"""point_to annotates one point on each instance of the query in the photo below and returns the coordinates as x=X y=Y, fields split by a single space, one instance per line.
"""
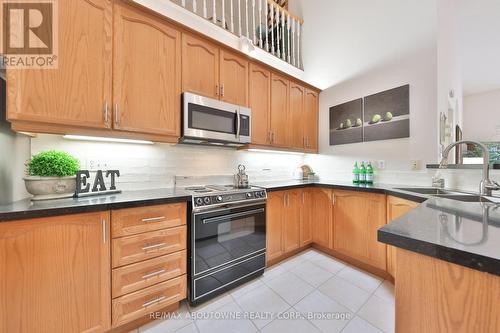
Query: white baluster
x=283 y=53
x=246 y=18
x=298 y=45
x=266 y=23
x=260 y=23
x=205 y=15
x=183 y=2
x=239 y=17
x=253 y=23
x=289 y=39
x=214 y=12
x=272 y=29
x=223 y=8
x=232 y=18
x=194 y=6
x=293 y=41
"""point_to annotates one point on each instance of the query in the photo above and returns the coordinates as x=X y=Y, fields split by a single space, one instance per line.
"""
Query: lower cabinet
x=396 y=207
x=286 y=230
x=56 y=274
x=322 y=219
x=306 y=222
x=357 y=217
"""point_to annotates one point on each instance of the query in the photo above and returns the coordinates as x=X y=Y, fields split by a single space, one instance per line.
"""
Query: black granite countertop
x=25 y=209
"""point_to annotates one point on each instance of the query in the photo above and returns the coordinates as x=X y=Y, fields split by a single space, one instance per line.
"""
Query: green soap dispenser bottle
x=369 y=173
x=355 y=174
x=362 y=173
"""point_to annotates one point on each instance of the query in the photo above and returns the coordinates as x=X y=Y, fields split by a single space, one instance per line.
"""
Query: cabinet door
x=233 y=78
x=146 y=73
x=311 y=110
x=274 y=224
x=279 y=111
x=322 y=217
x=260 y=103
x=55 y=274
x=357 y=218
x=296 y=116
x=77 y=91
x=306 y=237
x=291 y=223
x=396 y=207
x=200 y=66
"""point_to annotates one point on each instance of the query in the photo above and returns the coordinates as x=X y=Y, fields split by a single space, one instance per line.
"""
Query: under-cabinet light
x=104 y=139
x=275 y=151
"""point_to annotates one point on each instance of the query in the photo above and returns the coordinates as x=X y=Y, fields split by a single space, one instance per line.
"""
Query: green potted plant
x=51 y=175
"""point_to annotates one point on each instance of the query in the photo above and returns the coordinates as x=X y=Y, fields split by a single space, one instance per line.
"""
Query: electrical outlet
x=94 y=165
x=381 y=164
x=414 y=165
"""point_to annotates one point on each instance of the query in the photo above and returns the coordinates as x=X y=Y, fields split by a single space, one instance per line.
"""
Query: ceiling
x=479 y=44
x=343 y=39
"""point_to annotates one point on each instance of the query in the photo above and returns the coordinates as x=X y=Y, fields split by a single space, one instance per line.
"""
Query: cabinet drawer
x=132 y=249
x=137 y=276
x=131 y=221
x=137 y=304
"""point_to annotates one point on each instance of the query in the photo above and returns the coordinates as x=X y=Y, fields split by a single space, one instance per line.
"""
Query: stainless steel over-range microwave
x=209 y=121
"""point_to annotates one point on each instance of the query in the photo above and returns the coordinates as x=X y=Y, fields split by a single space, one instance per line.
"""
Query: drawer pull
x=154 y=219
x=149 y=275
x=154 y=301
x=154 y=246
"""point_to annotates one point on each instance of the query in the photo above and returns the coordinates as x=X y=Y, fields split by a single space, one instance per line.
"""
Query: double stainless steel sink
x=447 y=194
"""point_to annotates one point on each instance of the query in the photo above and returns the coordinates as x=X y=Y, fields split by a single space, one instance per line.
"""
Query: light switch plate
x=381 y=164
x=414 y=165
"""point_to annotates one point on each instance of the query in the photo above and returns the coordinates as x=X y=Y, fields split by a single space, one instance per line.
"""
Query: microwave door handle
x=238 y=123
x=225 y=217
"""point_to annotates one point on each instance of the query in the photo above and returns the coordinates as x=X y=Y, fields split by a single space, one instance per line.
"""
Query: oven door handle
x=225 y=217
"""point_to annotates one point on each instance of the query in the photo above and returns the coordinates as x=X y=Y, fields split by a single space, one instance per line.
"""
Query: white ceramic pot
x=46 y=188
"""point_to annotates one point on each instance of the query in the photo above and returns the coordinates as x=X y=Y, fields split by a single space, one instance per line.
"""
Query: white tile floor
x=314 y=292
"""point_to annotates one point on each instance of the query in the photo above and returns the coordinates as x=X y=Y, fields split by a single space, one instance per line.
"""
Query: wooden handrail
x=295 y=17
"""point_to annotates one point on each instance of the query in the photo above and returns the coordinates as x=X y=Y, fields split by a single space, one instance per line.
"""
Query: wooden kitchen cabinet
x=146 y=73
x=77 y=92
x=306 y=222
x=296 y=117
x=291 y=223
x=233 y=78
x=56 y=274
x=200 y=66
x=274 y=224
x=396 y=207
x=358 y=216
x=322 y=218
x=279 y=111
x=311 y=113
x=260 y=102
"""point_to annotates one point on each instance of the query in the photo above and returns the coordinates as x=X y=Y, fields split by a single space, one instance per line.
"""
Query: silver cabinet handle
x=149 y=275
x=154 y=301
x=272 y=137
x=333 y=199
x=217 y=89
x=222 y=89
x=106 y=113
x=103 y=225
x=154 y=246
x=117 y=115
x=154 y=219
x=303 y=199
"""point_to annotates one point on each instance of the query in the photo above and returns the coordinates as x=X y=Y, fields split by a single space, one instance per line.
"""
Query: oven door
x=213 y=120
x=226 y=236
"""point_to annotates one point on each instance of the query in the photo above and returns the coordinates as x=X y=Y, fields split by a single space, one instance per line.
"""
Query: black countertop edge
x=95 y=207
x=371 y=188
x=454 y=256
x=495 y=166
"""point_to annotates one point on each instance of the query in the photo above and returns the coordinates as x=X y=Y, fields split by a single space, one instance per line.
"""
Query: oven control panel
x=222 y=198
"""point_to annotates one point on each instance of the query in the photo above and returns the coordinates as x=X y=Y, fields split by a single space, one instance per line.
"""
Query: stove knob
x=219 y=198
x=249 y=195
x=257 y=194
x=206 y=200
x=198 y=201
x=262 y=194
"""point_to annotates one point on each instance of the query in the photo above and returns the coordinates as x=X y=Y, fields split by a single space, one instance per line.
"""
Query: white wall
x=481 y=115
x=417 y=70
x=154 y=166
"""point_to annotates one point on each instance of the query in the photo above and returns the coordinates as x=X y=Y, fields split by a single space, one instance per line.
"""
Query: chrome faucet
x=487 y=185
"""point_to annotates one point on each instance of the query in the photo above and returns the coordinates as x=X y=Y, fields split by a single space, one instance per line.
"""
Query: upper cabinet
x=233 y=78
x=200 y=66
x=311 y=110
x=146 y=73
x=279 y=111
x=78 y=92
x=260 y=103
x=296 y=116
